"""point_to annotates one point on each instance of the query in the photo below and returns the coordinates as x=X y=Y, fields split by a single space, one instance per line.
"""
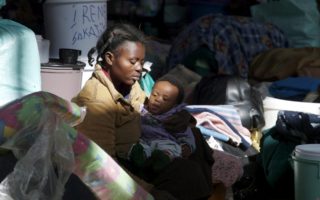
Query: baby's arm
x=185 y=151
x=187 y=142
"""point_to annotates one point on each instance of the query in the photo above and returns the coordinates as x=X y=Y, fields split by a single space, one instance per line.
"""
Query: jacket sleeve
x=187 y=138
x=99 y=125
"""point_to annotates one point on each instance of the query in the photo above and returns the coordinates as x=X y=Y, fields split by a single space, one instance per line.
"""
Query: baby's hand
x=185 y=151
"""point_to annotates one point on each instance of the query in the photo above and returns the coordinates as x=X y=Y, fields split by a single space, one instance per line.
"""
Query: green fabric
x=275 y=156
x=148 y=168
x=2 y=3
x=158 y=161
x=202 y=61
x=138 y=156
x=284 y=13
x=146 y=83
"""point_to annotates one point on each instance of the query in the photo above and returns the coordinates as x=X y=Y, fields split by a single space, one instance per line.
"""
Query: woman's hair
x=174 y=81
x=112 y=38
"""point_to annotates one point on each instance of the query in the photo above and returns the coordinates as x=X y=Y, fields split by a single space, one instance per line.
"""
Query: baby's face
x=163 y=97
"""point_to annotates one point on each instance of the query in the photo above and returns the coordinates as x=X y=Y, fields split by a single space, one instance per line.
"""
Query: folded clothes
x=294 y=88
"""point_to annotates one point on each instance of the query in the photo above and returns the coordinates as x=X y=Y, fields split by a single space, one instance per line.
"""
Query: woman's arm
x=99 y=125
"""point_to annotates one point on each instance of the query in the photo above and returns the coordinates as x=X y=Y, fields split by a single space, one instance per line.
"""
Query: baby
x=157 y=146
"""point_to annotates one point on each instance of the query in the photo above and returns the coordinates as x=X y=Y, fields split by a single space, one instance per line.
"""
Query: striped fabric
x=223 y=119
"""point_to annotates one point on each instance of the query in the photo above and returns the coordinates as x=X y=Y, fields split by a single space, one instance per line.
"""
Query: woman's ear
x=109 y=57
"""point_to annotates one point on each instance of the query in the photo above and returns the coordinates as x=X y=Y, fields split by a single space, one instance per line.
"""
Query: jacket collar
x=100 y=75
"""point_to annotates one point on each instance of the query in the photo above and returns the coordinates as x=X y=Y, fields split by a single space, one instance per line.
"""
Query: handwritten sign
x=88 y=21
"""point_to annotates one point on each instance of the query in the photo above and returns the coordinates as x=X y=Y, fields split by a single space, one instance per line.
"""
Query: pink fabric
x=213 y=122
x=226 y=169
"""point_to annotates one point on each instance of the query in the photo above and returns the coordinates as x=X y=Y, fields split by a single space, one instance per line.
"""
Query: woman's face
x=163 y=97
x=126 y=63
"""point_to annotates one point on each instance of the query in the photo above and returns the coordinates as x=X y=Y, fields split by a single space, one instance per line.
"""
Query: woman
x=112 y=95
x=113 y=99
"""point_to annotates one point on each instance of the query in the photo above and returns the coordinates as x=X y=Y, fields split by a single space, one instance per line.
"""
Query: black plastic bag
x=232 y=90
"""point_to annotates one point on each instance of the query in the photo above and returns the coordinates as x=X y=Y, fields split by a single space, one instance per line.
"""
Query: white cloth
x=19 y=63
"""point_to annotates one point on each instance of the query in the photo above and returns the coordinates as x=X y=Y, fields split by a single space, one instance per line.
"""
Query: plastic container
x=74 y=24
x=273 y=105
x=306 y=166
x=43 y=47
x=61 y=79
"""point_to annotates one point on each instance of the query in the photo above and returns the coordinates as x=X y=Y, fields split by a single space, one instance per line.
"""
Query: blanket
x=91 y=164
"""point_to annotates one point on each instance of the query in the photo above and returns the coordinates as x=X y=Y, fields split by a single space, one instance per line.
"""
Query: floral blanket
x=234 y=40
x=42 y=122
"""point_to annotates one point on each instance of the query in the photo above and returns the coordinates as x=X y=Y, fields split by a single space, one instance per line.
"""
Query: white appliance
x=74 y=24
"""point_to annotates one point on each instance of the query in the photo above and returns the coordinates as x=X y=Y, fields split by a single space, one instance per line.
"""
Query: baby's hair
x=174 y=81
x=112 y=38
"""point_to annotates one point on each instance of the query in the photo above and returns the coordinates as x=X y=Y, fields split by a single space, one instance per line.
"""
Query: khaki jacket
x=111 y=121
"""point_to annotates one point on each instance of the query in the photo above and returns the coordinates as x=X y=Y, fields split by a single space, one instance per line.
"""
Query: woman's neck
x=123 y=89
